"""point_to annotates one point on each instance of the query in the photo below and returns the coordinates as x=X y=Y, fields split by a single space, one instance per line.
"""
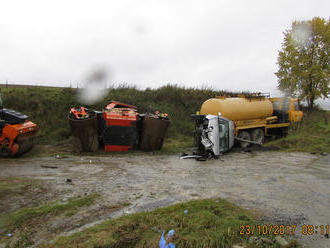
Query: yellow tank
x=238 y=109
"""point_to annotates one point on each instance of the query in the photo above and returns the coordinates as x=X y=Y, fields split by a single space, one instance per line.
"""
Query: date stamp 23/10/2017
x=284 y=229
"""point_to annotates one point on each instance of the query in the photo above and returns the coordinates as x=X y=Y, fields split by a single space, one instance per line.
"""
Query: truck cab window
x=276 y=105
x=222 y=130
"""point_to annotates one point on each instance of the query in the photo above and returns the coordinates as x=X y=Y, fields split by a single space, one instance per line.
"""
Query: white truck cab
x=214 y=135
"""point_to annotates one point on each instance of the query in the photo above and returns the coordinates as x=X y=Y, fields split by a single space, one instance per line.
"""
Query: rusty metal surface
x=85 y=133
x=153 y=133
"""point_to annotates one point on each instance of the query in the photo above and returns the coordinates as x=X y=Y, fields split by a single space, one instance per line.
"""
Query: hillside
x=49 y=106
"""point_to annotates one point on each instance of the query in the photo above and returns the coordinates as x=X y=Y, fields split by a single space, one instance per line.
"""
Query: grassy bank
x=49 y=107
x=200 y=223
x=311 y=135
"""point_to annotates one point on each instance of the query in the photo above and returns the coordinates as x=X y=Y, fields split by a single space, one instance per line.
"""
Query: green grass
x=32 y=216
x=178 y=144
x=311 y=135
x=208 y=223
x=49 y=107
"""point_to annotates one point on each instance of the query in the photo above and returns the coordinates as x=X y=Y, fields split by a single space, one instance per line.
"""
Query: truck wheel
x=258 y=135
x=244 y=135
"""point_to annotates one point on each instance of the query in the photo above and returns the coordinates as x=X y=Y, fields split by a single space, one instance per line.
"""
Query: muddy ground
x=281 y=188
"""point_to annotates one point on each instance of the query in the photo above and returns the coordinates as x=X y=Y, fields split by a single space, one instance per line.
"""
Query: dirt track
x=283 y=188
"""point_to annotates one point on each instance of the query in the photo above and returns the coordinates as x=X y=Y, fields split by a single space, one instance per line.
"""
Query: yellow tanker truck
x=246 y=119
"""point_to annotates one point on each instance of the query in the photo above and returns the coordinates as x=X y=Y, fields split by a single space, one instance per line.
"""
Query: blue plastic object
x=162 y=241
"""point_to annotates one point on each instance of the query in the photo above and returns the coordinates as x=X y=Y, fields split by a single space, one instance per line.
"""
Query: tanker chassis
x=246 y=119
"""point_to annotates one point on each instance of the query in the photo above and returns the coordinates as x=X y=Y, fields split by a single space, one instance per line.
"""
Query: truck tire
x=258 y=135
x=244 y=135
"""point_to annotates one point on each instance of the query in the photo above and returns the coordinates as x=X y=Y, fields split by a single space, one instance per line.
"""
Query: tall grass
x=311 y=135
x=49 y=107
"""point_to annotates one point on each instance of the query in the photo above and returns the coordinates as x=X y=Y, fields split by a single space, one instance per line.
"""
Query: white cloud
x=227 y=44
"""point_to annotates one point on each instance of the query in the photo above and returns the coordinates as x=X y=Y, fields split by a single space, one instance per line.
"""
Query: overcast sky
x=224 y=44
